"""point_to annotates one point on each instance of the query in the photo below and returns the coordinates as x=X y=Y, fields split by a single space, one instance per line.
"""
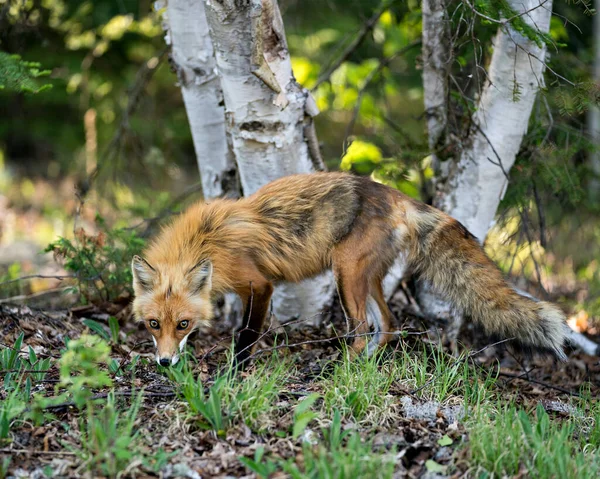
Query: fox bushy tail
x=451 y=259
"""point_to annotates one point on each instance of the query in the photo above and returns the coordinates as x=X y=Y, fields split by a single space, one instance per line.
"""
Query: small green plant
x=357 y=387
x=341 y=454
x=100 y=262
x=253 y=401
x=17 y=367
x=207 y=406
x=4 y=467
x=263 y=469
x=113 y=324
x=510 y=443
x=79 y=367
x=108 y=436
x=436 y=375
x=303 y=414
x=11 y=407
x=158 y=460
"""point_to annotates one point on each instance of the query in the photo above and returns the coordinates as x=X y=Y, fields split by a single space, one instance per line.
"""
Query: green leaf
x=301 y=422
x=445 y=440
x=113 y=323
x=96 y=327
x=433 y=466
x=306 y=403
x=32 y=356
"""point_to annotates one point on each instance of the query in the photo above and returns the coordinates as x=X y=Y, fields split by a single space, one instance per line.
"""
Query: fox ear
x=143 y=274
x=200 y=276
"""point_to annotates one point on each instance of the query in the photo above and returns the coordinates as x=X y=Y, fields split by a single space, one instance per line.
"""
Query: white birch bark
x=477 y=182
x=267 y=114
x=475 y=188
x=192 y=57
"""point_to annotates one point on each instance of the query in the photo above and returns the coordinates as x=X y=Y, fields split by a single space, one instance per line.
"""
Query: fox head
x=171 y=302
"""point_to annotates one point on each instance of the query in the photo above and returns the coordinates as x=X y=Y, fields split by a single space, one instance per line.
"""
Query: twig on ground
x=145 y=394
x=541 y=383
x=7 y=450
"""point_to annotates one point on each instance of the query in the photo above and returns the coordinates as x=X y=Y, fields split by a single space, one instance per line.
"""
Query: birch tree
x=269 y=118
x=471 y=185
x=249 y=118
x=192 y=57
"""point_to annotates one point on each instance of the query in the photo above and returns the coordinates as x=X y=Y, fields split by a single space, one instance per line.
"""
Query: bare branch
x=355 y=43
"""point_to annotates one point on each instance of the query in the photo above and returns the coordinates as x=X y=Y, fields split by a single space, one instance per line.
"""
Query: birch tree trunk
x=479 y=180
x=471 y=187
x=192 y=57
x=269 y=119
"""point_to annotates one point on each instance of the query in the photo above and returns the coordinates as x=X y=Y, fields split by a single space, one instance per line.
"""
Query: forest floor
x=303 y=409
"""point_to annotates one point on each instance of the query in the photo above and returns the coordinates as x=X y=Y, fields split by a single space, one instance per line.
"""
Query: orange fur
x=300 y=225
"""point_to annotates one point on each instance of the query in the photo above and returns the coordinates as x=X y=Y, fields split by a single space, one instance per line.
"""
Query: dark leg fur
x=256 y=307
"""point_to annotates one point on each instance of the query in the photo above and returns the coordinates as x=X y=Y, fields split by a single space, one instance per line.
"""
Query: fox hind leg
x=367 y=309
x=379 y=317
x=353 y=294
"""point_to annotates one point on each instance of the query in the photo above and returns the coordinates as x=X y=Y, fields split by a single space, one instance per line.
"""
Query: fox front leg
x=256 y=300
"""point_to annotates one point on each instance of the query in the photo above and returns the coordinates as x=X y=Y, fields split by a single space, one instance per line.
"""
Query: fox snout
x=167 y=355
x=167 y=361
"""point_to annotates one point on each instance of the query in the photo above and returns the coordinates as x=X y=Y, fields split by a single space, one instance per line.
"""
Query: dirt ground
x=413 y=432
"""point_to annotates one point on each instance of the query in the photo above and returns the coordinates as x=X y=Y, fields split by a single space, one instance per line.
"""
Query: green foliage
x=303 y=415
x=18 y=369
x=207 y=406
x=362 y=157
x=13 y=288
x=11 y=407
x=358 y=387
x=79 y=367
x=19 y=76
x=100 y=262
x=263 y=469
x=510 y=442
x=341 y=454
x=113 y=324
x=109 y=437
x=229 y=400
x=4 y=467
x=158 y=460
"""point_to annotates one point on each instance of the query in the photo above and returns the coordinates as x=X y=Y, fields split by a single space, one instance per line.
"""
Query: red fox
x=298 y=226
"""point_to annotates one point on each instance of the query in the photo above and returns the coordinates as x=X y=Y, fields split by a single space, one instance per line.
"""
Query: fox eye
x=183 y=324
x=154 y=324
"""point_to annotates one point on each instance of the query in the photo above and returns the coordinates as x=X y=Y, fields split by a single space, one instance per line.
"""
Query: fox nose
x=165 y=362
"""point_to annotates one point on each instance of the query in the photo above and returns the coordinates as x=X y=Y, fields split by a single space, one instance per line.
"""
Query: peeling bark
x=267 y=114
x=192 y=57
